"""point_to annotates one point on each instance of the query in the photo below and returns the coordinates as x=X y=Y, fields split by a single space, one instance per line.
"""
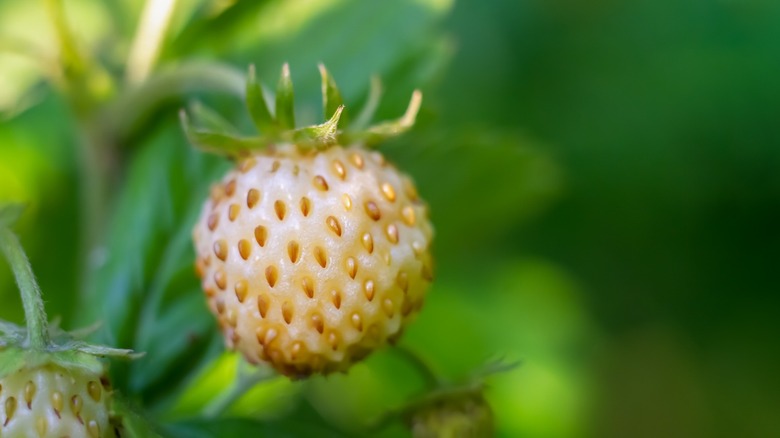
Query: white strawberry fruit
x=313 y=254
x=52 y=401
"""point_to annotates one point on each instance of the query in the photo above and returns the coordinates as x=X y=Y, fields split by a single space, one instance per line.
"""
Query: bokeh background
x=604 y=178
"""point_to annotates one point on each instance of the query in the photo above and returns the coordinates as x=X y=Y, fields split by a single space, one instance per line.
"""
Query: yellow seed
x=262 y=305
x=233 y=211
x=213 y=221
x=305 y=206
x=261 y=235
x=357 y=322
x=427 y=271
x=29 y=393
x=271 y=275
x=296 y=350
x=320 y=183
x=408 y=214
x=388 y=191
x=76 y=404
x=275 y=166
x=357 y=160
x=368 y=242
x=392 y=233
x=347 y=202
x=333 y=339
x=244 y=248
x=220 y=249
x=417 y=247
x=317 y=322
x=406 y=308
x=220 y=303
x=378 y=158
x=231 y=318
x=387 y=306
x=339 y=168
x=57 y=402
x=402 y=280
x=293 y=251
x=368 y=288
x=230 y=187
x=388 y=258
x=410 y=190
x=287 y=312
x=336 y=299
x=252 y=198
x=217 y=194
x=241 y=288
x=373 y=210
x=41 y=426
x=320 y=256
x=220 y=278
x=10 y=409
x=94 y=390
x=351 y=267
x=247 y=165
x=296 y=170
x=93 y=428
x=308 y=287
x=334 y=225
x=280 y=209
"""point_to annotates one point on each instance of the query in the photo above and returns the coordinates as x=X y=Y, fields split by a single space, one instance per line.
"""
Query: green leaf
x=146 y=292
x=320 y=135
x=219 y=142
x=381 y=132
x=304 y=422
x=256 y=104
x=285 y=101
x=479 y=183
x=131 y=422
x=331 y=96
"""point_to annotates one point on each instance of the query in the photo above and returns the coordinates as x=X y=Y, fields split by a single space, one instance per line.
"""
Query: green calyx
x=447 y=409
x=207 y=130
x=39 y=343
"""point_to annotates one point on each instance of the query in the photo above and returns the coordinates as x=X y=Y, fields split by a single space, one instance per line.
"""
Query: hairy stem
x=34 y=313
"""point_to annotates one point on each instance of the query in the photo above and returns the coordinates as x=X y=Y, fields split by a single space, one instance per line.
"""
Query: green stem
x=431 y=379
x=34 y=313
x=148 y=40
x=242 y=384
x=71 y=57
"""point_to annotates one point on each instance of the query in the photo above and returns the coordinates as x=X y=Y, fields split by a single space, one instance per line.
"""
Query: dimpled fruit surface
x=310 y=261
x=50 y=401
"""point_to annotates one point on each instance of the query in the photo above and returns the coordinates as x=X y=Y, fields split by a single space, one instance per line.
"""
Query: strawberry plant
x=277 y=282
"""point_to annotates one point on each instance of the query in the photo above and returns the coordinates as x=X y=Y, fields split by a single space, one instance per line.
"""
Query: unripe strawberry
x=313 y=260
x=52 y=385
x=464 y=417
x=52 y=401
x=312 y=254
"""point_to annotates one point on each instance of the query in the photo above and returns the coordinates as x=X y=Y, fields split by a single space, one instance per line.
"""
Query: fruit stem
x=34 y=312
x=426 y=372
x=241 y=385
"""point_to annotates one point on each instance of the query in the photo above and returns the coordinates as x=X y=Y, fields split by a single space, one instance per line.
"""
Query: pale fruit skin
x=311 y=261
x=52 y=402
x=468 y=417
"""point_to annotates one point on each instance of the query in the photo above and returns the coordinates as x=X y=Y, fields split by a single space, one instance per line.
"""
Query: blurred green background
x=604 y=178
